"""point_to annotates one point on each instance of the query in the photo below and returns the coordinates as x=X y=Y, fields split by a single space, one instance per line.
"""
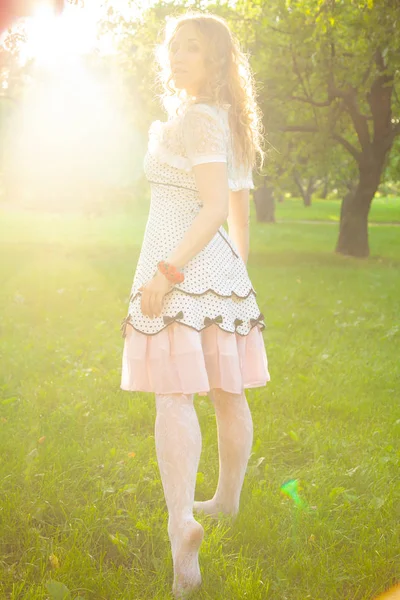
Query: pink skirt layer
x=180 y=359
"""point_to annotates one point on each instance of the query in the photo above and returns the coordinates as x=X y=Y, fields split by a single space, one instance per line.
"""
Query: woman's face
x=186 y=56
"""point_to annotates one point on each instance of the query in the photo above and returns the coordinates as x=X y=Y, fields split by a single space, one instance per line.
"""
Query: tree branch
x=349 y=147
x=335 y=92
x=297 y=71
x=300 y=129
x=368 y=71
x=360 y=121
x=380 y=100
x=250 y=20
x=312 y=129
x=311 y=101
x=274 y=28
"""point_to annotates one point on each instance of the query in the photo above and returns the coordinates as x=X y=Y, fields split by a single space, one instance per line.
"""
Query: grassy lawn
x=383 y=210
x=78 y=471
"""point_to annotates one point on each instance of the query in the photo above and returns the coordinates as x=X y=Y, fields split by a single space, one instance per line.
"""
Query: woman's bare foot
x=185 y=543
x=214 y=508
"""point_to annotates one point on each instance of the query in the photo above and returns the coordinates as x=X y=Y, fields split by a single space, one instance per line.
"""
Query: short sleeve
x=241 y=179
x=204 y=135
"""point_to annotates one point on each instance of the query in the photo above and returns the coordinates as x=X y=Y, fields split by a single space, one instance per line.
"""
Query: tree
x=264 y=202
x=327 y=82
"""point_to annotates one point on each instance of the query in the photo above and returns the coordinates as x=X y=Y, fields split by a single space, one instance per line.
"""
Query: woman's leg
x=178 y=449
x=235 y=439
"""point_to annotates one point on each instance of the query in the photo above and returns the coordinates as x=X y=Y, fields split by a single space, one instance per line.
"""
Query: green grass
x=330 y=417
x=383 y=210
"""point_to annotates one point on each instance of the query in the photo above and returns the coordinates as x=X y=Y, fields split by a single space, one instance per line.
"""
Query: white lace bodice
x=199 y=134
x=217 y=288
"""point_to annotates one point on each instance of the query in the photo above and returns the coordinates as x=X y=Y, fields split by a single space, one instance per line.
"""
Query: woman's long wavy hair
x=230 y=81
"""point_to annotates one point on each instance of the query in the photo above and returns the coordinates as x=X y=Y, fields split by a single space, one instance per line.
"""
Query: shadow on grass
x=103 y=256
x=317 y=259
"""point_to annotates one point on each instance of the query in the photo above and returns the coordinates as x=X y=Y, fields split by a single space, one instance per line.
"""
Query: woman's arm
x=239 y=221
x=212 y=183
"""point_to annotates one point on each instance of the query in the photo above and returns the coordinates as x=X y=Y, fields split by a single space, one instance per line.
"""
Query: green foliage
x=301 y=51
x=305 y=53
x=392 y=172
x=58 y=591
x=298 y=50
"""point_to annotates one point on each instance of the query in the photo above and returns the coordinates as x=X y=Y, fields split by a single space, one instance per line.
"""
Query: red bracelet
x=170 y=272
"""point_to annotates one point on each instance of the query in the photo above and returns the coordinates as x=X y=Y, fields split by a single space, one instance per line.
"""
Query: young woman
x=194 y=324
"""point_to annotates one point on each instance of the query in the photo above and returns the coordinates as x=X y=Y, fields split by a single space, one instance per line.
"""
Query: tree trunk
x=307 y=193
x=264 y=203
x=325 y=189
x=307 y=198
x=353 y=232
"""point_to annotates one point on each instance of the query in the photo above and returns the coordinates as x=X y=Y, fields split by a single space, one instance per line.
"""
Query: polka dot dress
x=216 y=290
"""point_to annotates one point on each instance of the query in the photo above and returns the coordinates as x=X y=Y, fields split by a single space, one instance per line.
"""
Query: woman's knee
x=171 y=400
x=224 y=400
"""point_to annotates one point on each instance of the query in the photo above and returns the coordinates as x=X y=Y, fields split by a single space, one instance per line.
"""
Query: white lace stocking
x=178 y=448
x=235 y=439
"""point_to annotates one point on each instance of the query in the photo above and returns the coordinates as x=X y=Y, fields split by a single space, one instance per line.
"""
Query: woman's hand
x=153 y=294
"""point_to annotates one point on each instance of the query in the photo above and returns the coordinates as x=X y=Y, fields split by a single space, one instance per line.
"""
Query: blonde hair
x=230 y=81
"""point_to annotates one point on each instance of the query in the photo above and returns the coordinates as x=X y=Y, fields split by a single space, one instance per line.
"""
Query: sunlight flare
x=54 y=40
x=70 y=137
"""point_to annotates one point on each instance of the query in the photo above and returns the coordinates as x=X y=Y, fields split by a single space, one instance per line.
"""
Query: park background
x=82 y=512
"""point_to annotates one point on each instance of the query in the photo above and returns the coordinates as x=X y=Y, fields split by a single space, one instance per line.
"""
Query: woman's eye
x=192 y=48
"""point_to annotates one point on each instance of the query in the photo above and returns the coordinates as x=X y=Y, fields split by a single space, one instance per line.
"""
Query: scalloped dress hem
x=182 y=360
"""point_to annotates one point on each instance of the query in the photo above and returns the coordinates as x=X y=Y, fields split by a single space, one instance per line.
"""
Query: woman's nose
x=178 y=52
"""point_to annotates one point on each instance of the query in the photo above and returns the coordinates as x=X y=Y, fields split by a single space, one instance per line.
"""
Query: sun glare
x=55 y=40
x=68 y=136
